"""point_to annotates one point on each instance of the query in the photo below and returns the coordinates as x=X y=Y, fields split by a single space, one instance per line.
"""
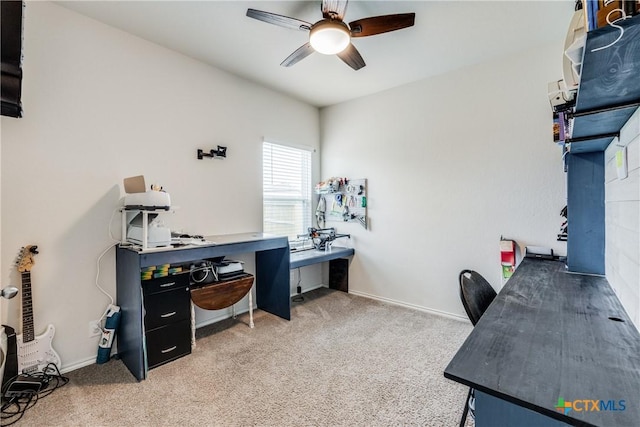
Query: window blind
x=286 y=182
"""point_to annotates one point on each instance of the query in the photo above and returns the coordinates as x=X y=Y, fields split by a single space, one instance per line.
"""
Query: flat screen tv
x=11 y=13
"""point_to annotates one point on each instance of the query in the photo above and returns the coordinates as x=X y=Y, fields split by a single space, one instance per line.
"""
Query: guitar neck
x=27 y=308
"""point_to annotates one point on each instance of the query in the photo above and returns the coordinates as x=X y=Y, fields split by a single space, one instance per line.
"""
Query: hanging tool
x=320 y=212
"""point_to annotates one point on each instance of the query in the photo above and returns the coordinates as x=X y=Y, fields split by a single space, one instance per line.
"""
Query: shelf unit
x=130 y=212
x=608 y=95
x=609 y=91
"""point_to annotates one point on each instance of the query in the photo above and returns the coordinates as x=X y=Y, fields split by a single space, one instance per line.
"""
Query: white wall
x=622 y=220
x=453 y=163
x=101 y=105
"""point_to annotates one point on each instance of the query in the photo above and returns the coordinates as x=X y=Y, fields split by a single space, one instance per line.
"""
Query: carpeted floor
x=342 y=360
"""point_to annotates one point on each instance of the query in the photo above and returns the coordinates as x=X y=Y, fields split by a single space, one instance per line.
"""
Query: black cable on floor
x=15 y=404
x=299 y=297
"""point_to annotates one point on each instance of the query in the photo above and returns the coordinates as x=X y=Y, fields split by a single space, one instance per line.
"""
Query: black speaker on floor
x=339 y=274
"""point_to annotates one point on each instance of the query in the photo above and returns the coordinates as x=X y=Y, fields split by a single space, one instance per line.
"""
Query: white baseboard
x=77 y=365
x=92 y=360
x=412 y=306
x=220 y=317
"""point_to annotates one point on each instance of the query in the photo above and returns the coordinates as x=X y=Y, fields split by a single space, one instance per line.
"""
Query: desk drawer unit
x=163 y=284
x=167 y=318
x=165 y=308
x=168 y=343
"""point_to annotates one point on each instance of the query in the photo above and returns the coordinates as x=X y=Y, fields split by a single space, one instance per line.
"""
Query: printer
x=228 y=268
x=157 y=234
x=139 y=216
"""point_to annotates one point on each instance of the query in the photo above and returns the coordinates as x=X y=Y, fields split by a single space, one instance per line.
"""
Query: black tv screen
x=11 y=76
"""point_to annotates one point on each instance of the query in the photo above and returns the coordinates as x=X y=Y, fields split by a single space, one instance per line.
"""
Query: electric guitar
x=34 y=352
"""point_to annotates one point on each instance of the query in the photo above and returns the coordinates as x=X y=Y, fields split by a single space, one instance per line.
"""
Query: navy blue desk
x=312 y=256
x=338 y=264
x=272 y=283
x=552 y=339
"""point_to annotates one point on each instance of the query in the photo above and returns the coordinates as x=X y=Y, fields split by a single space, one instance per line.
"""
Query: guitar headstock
x=25 y=258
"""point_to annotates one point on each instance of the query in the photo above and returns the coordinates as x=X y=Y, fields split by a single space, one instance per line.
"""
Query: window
x=286 y=190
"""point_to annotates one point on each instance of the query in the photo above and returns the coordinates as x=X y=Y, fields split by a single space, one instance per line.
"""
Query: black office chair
x=476 y=295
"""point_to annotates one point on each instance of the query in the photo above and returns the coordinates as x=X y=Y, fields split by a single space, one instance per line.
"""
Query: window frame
x=300 y=194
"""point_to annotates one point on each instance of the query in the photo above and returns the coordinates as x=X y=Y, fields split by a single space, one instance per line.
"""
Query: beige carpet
x=342 y=360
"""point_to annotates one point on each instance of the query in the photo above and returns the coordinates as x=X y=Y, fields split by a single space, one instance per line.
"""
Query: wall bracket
x=219 y=152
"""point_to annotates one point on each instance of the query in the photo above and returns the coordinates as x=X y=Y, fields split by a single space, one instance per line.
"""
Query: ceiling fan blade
x=300 y=53
x=332 y=9
x=381 y=24
x=279 y=20
x=352 y=57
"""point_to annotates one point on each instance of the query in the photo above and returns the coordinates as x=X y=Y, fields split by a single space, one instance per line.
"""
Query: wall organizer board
x=342 y=200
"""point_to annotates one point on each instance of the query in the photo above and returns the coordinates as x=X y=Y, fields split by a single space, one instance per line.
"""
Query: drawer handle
x=166 y=285
x=164 y=316
x=167 y=350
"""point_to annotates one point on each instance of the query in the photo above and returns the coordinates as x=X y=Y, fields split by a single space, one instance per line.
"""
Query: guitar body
x=35 y=355
x=34 y=352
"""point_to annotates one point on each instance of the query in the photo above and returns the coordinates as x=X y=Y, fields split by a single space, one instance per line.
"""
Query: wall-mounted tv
x=11 y=13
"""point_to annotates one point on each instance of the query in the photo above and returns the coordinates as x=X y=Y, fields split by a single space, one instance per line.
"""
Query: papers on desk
x=191 y=241
x=201 y=242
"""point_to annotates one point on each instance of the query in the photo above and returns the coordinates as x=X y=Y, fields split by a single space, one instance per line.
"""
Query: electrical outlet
x=94 y=329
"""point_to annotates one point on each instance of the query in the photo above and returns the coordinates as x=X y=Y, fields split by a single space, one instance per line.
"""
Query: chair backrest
x=476 y=294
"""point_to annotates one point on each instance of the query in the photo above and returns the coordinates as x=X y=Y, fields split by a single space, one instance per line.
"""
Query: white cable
x=98 y=276
x=97 y=280
x=206 y=269
x=624 y=16
x=110 y=222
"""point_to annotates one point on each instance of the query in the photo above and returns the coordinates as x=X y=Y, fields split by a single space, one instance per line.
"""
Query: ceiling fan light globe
x=329 y=37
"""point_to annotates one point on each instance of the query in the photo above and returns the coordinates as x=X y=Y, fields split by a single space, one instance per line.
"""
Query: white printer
x=140 y=222
x=157 y=234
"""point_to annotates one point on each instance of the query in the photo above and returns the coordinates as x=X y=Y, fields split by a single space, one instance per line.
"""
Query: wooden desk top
x=548 y=335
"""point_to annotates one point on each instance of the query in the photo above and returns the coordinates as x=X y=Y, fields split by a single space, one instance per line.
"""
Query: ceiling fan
x=331 y=35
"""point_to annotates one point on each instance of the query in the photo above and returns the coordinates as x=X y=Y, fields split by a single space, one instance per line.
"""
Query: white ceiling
x=447 y=35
